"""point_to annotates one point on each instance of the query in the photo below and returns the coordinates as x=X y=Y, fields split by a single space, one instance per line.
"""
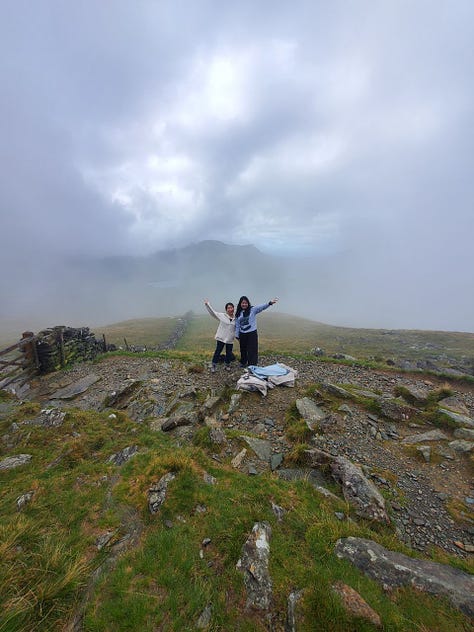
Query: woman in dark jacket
x=246 y=329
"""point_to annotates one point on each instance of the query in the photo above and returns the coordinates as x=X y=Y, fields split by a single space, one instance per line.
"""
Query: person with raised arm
x=246 y=329
x=224 y=335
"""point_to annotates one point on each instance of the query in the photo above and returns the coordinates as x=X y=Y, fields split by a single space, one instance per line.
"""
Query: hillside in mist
x=99 y=291
x=166 y=283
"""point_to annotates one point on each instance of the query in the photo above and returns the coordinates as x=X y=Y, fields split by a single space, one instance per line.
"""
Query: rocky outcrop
x=123 y=456
x=157 y=492
x=15 y=461
x=393 y=570
x=253 y=563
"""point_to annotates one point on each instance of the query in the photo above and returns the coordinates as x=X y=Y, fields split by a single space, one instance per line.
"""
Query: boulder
x=311 y=412
x=393 y=570
x=432 y=435
x=359 y=491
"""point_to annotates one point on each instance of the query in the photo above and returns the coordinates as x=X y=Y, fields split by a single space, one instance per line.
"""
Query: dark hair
x=239 y=306
x=227 y=305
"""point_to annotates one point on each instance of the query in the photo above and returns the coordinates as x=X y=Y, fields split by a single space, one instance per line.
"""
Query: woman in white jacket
x=224 y=335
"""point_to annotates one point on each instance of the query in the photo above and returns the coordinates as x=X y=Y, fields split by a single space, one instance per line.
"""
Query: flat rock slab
x=461 y=445
x=432 y=435
x=461 y=420
x=262 y=448
x=338 y=391
x=455 y=404
x=14 y=461
x=310 y=411
x=76 y=388
x=393 y=570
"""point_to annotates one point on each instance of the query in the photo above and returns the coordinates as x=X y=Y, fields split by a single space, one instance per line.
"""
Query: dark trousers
x=228 y=352
x=248 y=348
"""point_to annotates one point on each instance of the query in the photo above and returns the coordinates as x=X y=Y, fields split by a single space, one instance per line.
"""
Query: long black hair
x=239 y=307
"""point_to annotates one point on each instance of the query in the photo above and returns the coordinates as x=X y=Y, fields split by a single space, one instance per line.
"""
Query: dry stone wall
x=60 y=346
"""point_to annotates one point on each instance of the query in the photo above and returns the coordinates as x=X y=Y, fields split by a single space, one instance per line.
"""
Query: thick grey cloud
x=336 y=130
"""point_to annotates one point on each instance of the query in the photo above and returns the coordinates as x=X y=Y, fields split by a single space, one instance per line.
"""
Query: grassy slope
x=290 y=334
x=146 y=331
x=48 y=552
x=282 y=332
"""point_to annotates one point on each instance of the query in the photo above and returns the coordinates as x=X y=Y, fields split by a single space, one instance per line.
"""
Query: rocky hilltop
x=389 y=454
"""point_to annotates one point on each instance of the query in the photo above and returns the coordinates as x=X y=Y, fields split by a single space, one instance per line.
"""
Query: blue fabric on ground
x=267 y=371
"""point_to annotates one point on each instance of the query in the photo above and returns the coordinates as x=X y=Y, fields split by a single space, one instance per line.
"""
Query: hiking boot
x=213 y=368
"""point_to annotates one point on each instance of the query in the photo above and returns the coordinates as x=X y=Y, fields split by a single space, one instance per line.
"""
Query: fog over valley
x=153 y=157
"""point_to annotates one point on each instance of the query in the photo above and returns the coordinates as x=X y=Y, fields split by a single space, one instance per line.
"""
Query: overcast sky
x=337 y=129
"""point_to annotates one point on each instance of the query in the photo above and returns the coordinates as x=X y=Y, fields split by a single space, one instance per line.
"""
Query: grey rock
x=157 y=492
x=15 y=461
x=464 y=433
x=48 y=418
x=311 y=412
x=414 y=395
x=344 y=408
x=454 y=404
x=209 y=479
x=278 y=511
x=205 y=617
x=275 y=461
x=432 y=435
x=217 y=435
x=24 y=499
x=338 y=391
x=253 y=562
x=71 y=391
x=366 y=393
x=239 y=458
x=234 y=403
x=359 y=491
x=461 y=420
x=211 y=402
x=393 y=570
x=123 y=456
x=140 y=410
x=425 y=452
x=121 y=397
x=104 y=539
x=461 y=445
x=293 y=598
x=262 y=448
x=186 y=418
